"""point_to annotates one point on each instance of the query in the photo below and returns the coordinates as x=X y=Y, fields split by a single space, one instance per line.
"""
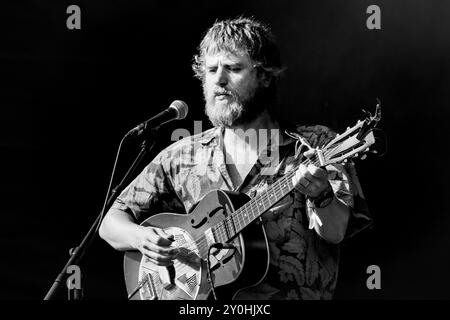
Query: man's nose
x=221 y=77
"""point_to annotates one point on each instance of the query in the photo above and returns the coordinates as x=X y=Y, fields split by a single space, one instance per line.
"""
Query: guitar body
x=232 y=270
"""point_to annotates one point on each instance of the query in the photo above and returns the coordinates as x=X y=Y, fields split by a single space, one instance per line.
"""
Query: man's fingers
x=163 y=251
x=160 y=238
x=158 y=256
x=164 y=235
x=299 y=176
x=310 y=153
x=305 y=178
x=304 y=182
x=308 y=187
x=310 y=179
x=317 y=172
x=157 y=260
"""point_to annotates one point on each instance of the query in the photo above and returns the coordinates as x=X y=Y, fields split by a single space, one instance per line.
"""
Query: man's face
x=230 y=86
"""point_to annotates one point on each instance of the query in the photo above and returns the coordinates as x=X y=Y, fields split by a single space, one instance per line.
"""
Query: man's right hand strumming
x=155 y=244
x=122 y=233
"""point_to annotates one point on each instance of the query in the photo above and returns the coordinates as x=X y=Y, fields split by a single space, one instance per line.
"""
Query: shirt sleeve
x=345 y=184
x=346 y=187
x=151 y=192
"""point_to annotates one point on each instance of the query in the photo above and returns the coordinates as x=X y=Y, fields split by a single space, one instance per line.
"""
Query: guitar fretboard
x=242 y=217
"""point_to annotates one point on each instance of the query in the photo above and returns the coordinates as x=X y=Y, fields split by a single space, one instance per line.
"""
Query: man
x=239 y=65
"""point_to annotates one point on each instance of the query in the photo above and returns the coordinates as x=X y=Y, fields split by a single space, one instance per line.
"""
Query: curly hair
x=241 y=36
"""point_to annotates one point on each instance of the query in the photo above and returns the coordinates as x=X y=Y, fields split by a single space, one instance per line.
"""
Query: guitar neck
x=253 y=209
x=245 y=215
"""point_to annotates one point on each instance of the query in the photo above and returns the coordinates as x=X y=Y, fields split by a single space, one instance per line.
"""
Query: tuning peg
x=364 y=156
x=356 y=155
x=374 y=151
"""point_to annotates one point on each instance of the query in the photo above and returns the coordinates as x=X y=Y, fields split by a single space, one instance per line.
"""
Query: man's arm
x=119 y=230
x=122 y=233
x=331 y=220
x=334 y=218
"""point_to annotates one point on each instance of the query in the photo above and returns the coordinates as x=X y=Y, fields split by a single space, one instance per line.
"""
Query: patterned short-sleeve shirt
x=302 y=264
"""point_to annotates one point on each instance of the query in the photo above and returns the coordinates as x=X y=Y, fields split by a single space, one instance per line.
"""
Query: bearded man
x=239 y=65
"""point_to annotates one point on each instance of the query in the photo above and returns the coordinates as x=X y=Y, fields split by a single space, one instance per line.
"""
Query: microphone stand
x=78 y=252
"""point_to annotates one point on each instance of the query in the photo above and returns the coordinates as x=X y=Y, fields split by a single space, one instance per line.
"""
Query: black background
x=68 y=96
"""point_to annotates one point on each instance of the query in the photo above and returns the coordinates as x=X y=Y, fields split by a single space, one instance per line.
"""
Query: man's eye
x=235 y=69
x=211 y=70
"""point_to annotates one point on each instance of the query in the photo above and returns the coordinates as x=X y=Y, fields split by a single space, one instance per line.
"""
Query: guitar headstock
x=356 y=141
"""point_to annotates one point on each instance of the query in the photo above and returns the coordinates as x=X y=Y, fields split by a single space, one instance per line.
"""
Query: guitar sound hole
x=213 y=212
x=202 y=222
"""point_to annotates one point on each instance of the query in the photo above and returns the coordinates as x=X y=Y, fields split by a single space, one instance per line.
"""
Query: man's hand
x=333 y=218
x=310 y=180
x=155 y=244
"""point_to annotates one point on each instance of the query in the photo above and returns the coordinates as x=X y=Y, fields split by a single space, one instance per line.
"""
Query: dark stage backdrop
x=68 y=96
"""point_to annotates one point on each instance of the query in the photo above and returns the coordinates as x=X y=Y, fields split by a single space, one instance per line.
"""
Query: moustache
x=220 y=92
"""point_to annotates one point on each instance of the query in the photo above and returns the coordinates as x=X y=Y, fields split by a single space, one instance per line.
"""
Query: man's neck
x=251 y=135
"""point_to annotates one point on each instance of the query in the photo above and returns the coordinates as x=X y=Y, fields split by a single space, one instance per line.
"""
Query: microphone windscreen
x=181 y=108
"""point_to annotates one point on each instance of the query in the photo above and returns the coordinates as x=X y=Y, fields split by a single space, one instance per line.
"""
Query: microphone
x=176 y=111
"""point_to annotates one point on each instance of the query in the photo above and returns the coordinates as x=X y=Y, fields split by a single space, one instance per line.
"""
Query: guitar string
x=201 y=243
x=264 y=198
x=261 y=201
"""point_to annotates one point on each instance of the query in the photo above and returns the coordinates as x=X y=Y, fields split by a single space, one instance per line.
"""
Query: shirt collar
x=211 y=135
x=215 y=135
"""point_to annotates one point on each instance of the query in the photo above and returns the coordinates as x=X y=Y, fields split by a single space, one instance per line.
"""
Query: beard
x=237 y=110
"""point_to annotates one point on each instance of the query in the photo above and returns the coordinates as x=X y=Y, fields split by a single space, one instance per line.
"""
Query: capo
x=302 y=142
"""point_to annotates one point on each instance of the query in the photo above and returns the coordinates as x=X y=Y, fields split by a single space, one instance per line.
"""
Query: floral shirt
x=302 y=264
